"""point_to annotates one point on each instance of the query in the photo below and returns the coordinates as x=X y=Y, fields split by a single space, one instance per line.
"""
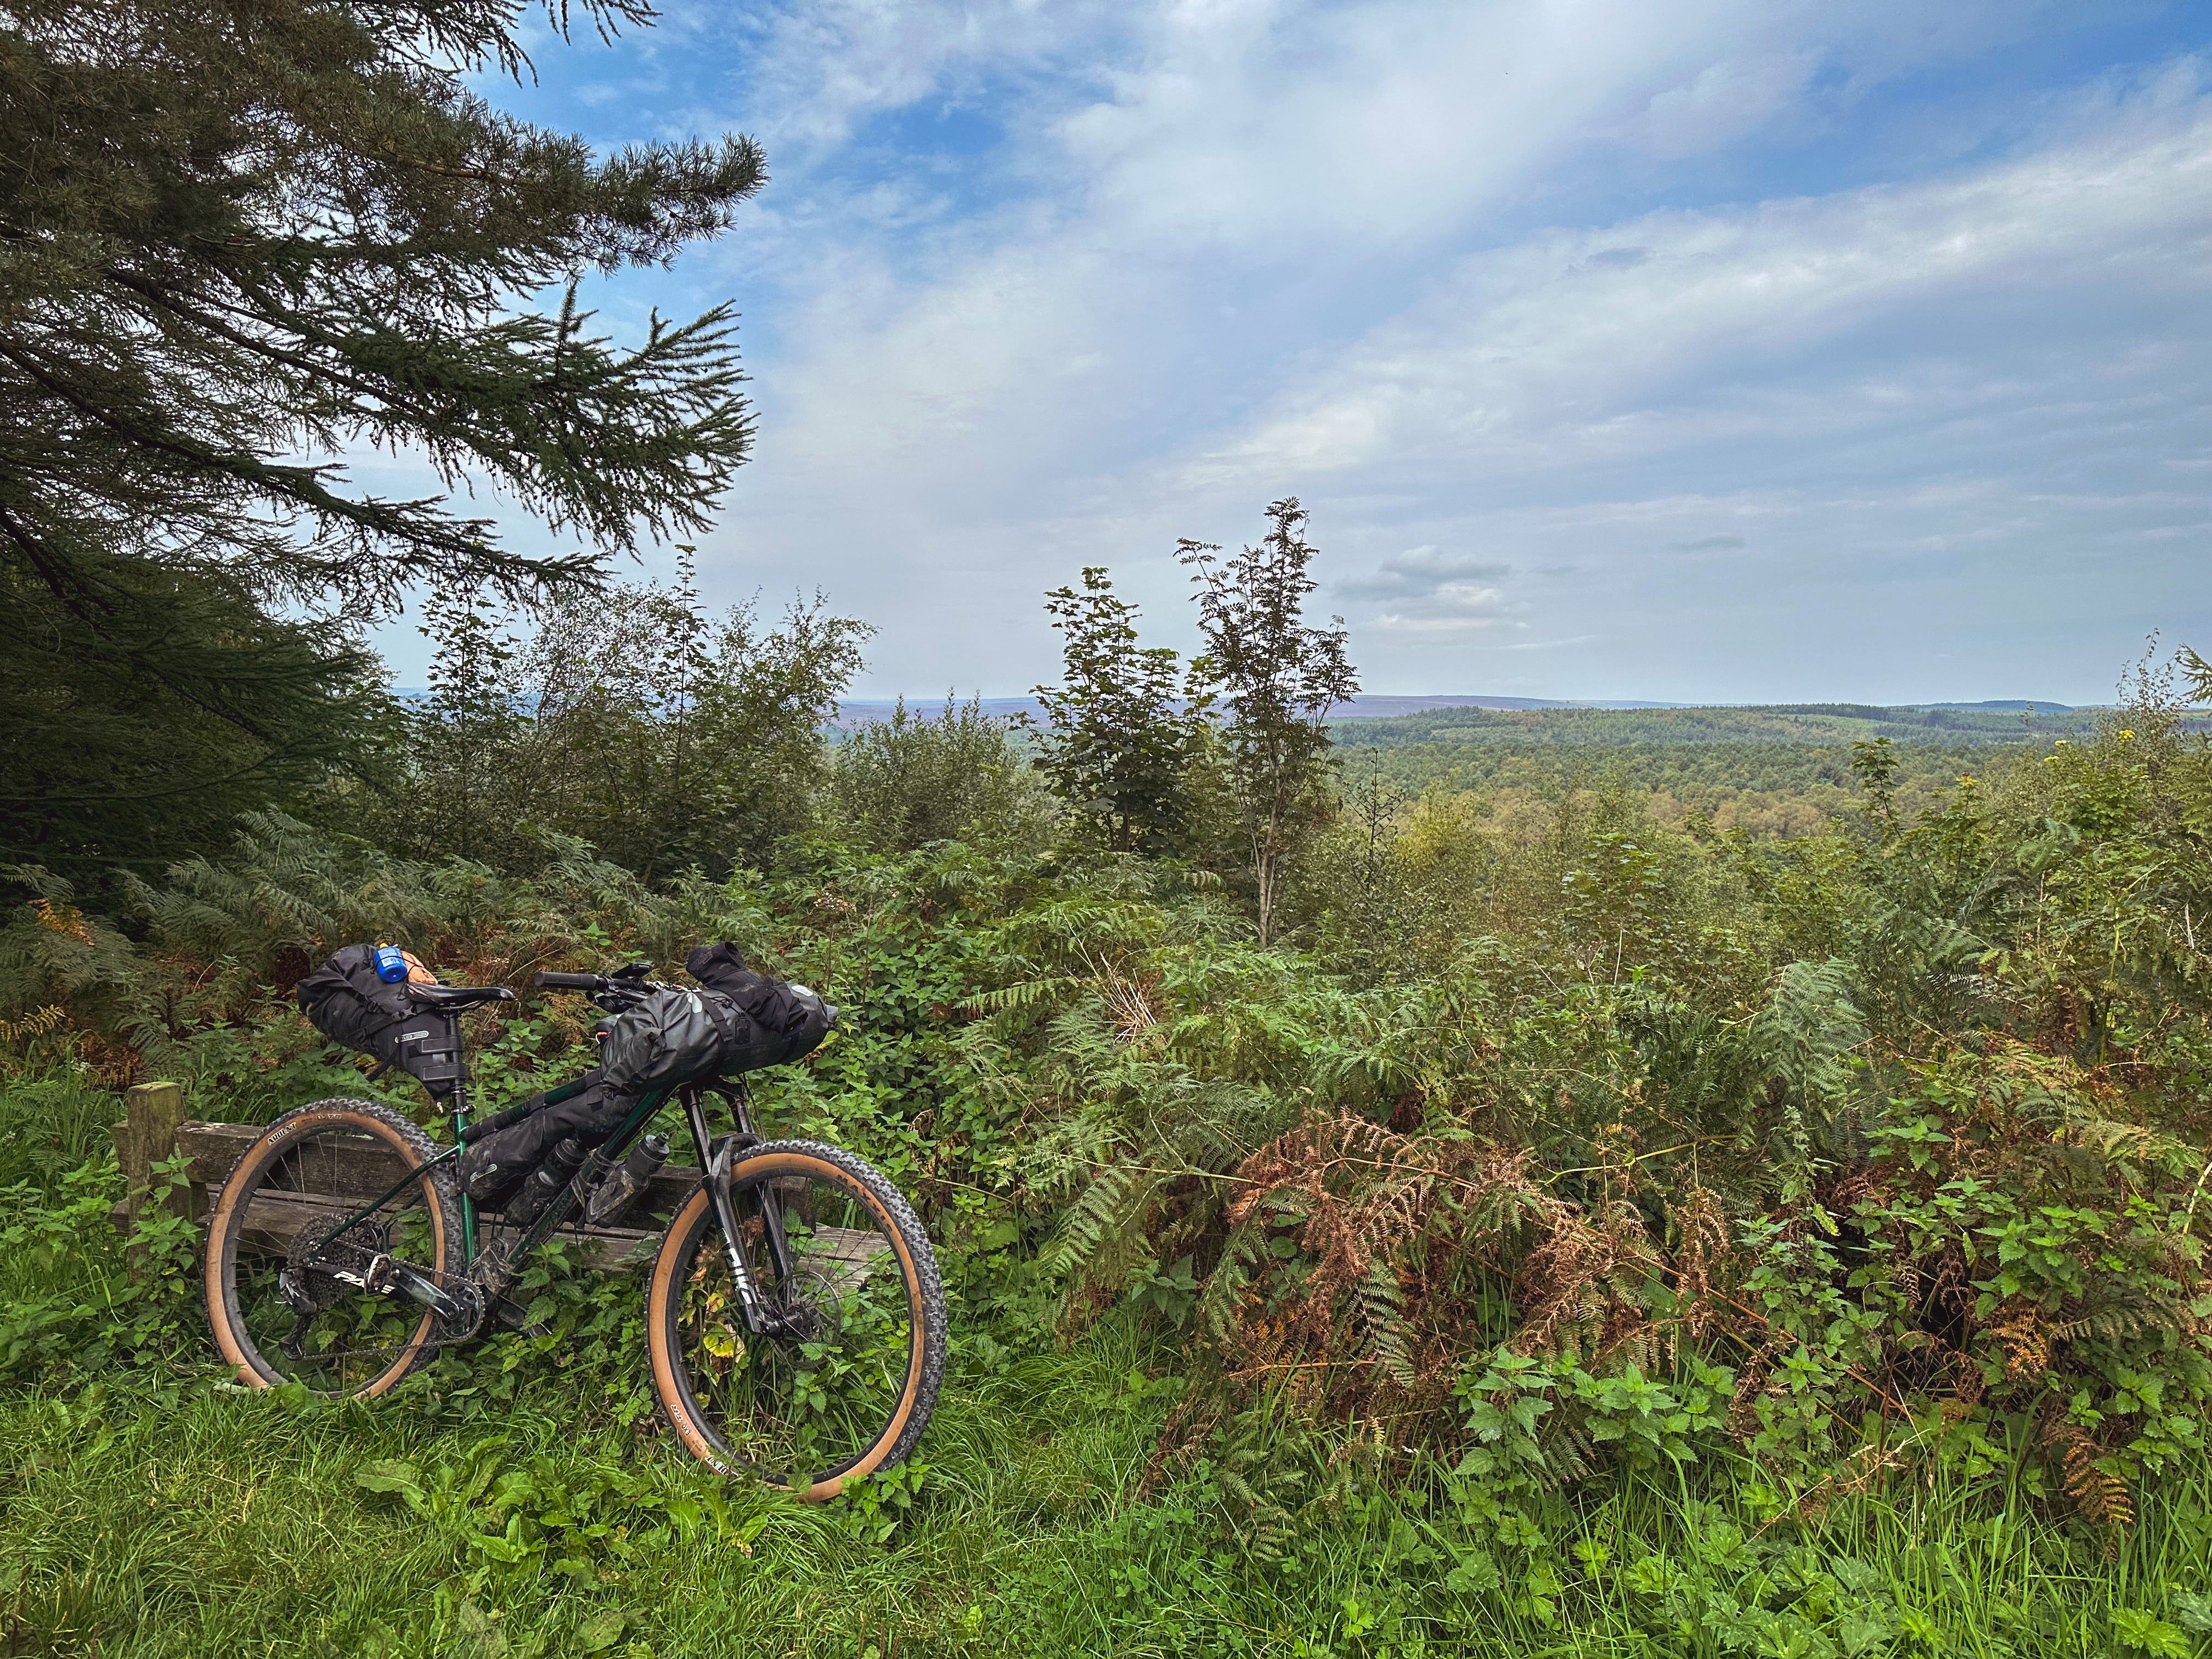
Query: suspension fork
x=763 y=1318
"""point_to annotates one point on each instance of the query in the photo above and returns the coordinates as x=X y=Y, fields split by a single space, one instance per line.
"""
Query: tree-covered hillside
x=1771 y=771
x=1829 y=723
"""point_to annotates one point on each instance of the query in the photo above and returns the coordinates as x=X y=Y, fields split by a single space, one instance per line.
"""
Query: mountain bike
x=794 y=1318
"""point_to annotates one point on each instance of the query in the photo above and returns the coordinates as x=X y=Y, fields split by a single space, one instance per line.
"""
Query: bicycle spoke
x=302 y=1235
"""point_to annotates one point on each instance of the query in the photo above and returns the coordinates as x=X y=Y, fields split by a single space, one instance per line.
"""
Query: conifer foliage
x=235 y=240
x=238 y=234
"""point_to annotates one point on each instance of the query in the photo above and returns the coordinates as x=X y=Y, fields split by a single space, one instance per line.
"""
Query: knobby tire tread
x=932 y=1321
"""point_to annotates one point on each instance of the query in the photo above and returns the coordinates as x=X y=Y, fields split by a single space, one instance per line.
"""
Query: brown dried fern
x=37 y=1023
x=2101 y=1497
x=2020 y=1328
x=64 y=919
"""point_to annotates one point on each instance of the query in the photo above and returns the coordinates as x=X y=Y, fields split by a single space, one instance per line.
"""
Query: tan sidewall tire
x=366 y=1117
x=664 y=1302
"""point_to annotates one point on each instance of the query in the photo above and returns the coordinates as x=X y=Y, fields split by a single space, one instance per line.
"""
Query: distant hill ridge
x=1456 y=718
x=1826 y=725
x=859 y=711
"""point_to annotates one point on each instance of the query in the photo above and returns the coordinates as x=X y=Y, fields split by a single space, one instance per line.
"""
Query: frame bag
x=345 y=1000
x=492 y=1167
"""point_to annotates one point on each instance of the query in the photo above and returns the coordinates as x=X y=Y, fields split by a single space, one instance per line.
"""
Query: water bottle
x=629 y=1178
x=546 y=1183
x=391 y=964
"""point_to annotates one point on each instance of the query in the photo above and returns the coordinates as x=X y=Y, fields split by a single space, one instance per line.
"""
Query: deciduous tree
x=1120 y=729
x=1278 y=678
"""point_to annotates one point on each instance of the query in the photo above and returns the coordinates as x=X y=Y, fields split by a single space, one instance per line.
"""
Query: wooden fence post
x=152 y=1113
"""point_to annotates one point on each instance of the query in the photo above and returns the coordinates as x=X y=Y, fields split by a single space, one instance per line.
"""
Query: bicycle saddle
x=456 y=996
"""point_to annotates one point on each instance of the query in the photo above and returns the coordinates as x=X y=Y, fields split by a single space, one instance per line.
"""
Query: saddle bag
x=345 y=1000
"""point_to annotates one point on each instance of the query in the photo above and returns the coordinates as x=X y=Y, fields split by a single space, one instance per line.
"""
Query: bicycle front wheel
x=843 y=1379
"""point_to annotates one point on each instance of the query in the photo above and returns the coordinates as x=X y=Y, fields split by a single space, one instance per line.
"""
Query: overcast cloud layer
x=1733 y=349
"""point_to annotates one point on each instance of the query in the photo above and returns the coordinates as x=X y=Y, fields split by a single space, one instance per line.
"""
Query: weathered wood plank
x=216 y=1148
x=341 y=1172
x=274 y=1221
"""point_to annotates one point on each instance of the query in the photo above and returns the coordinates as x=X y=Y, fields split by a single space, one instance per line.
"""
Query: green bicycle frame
x=616 y=1145
x=714 y=1169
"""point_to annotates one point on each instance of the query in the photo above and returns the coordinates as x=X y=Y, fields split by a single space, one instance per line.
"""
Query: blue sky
x=1728 y=350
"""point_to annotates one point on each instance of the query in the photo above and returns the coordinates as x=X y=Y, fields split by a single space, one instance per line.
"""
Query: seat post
x=460 y=1111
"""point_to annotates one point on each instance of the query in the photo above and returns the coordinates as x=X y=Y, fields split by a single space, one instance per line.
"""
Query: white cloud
x=1724 y=101
x=1545 y=355
x=1417 y=573
x=1426 y=264
x=1453 y=608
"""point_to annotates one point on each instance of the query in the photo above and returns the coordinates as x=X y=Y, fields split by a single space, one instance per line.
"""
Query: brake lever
x=620 y=998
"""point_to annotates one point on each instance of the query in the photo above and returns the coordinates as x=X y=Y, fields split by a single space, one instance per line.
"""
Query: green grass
x=233 y=1524
x=511 y=1501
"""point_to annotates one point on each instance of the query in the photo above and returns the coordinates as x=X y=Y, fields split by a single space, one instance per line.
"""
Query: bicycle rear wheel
x=845 y=1385
x=280 y=1312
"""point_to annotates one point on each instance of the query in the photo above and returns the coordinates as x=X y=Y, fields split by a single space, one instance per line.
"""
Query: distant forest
x=1776 y=770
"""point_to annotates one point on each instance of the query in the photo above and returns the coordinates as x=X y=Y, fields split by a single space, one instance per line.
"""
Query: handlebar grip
x=569 y=982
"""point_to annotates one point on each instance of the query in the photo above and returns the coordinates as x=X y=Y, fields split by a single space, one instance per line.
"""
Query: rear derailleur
x=316 y=1277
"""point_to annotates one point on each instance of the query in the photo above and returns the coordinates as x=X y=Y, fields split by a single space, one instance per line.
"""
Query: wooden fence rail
x=349 y=1170
x=155 y=1129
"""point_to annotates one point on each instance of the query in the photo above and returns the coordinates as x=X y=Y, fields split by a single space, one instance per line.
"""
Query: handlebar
x=570 y=981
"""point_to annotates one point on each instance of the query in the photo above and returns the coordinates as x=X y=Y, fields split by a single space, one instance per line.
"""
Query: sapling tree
x=470 y=779
x=1278 y=677
x=1120 y=729
x=1875 y=764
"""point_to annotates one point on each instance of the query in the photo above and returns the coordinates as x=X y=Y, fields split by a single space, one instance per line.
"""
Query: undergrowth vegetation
x=1569 y=1235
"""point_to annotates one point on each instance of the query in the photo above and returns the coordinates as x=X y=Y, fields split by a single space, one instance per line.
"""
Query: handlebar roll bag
x=781 y=1022
x=669 y=1037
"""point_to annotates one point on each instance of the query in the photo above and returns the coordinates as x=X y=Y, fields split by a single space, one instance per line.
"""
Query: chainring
x=311 y=1288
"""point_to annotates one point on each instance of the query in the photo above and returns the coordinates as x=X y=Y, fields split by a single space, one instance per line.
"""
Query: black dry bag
x=782 y=1021
x=503 y=1150
x=670 y=1037
x=345 y=1000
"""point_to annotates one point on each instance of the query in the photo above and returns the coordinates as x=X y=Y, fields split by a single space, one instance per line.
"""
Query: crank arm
x=385 y=1277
